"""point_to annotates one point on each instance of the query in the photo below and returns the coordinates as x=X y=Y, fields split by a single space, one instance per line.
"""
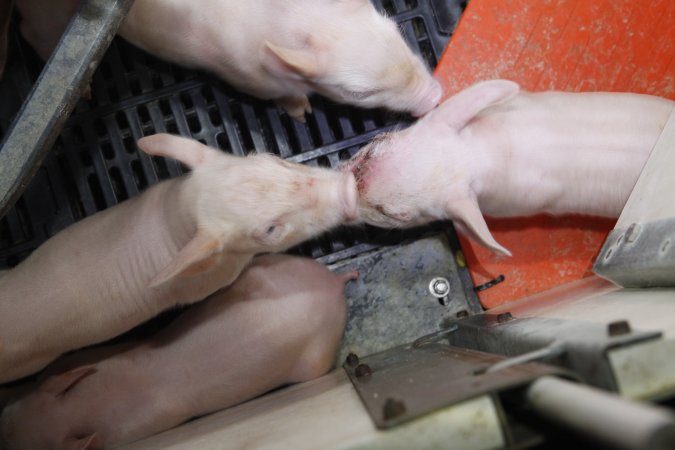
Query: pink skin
x=498 y=151
x=273 y=49
x=176 y=243
x=269 y=328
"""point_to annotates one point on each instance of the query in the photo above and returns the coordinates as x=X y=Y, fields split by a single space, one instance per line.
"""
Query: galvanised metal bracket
x=640 y=255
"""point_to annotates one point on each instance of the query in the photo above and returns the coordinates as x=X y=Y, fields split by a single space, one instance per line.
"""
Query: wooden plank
x=326 y=413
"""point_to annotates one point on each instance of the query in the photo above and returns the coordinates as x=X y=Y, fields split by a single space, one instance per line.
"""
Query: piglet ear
x=296 y=62
x=91 y=442
x=59 y=384
x=190 y=152
x=459 y=109
x=469 y=220
x=199 y=255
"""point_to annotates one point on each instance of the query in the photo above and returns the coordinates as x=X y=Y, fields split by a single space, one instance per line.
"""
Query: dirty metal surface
x=55 y=94
x=391 y=303
x=412 y=380
x=640 y=251
x=645 y=371
x=640 y=255
x=585 y=345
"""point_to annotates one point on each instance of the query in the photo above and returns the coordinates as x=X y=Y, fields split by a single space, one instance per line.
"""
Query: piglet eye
x=360 y=95
x=269 y=234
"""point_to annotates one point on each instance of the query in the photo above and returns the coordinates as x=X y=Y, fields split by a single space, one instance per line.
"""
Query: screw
x=462 y=314
x=504 y=317
x=618 y=328
x=352 y=360
x=392 y=409
x=362 y=370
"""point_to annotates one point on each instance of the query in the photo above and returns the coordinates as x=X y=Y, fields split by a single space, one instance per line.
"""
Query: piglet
x=177 y=243
x=494 y=150
x=286 y=49
x=273 y=49
x=280 y=322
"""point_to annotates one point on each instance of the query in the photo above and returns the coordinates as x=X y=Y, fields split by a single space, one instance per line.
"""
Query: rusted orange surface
x=570 y=45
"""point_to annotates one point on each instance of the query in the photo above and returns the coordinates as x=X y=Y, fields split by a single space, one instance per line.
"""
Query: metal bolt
x=392 y=409
x=439 y=287
x=462 y=314
x=618 y=328
x=504 y=317
x=352 y=360
x=633 y=232
x=362 y=370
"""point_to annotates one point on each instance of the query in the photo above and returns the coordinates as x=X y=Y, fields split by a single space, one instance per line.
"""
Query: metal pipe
x=55 y=93
x=618 y=422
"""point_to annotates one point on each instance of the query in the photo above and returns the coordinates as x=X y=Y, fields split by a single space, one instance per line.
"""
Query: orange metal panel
x=571 y=45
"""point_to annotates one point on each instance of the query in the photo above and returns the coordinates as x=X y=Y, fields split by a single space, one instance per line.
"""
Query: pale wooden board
x=326 y=413
x=593 y=299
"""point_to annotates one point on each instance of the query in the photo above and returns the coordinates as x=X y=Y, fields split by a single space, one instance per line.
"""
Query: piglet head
x=39 y=419
x=352 y=54
x=430 y=171
x=256 y=204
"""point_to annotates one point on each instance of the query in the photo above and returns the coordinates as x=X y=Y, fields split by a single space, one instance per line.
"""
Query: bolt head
x=439 y=287
x=362 y=370
x=504 y=317
x=618 y=328
x=352 y=360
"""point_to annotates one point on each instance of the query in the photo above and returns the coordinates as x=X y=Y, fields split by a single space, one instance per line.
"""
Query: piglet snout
x=428 y=99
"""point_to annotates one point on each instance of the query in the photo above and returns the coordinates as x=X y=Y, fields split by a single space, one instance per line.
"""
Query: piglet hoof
x=349 y=276
x=91 y=442
x=296 y=107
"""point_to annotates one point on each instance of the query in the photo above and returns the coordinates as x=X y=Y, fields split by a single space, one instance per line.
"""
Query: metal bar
x=603 y=416
x=54 y=95
x=640 y=255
